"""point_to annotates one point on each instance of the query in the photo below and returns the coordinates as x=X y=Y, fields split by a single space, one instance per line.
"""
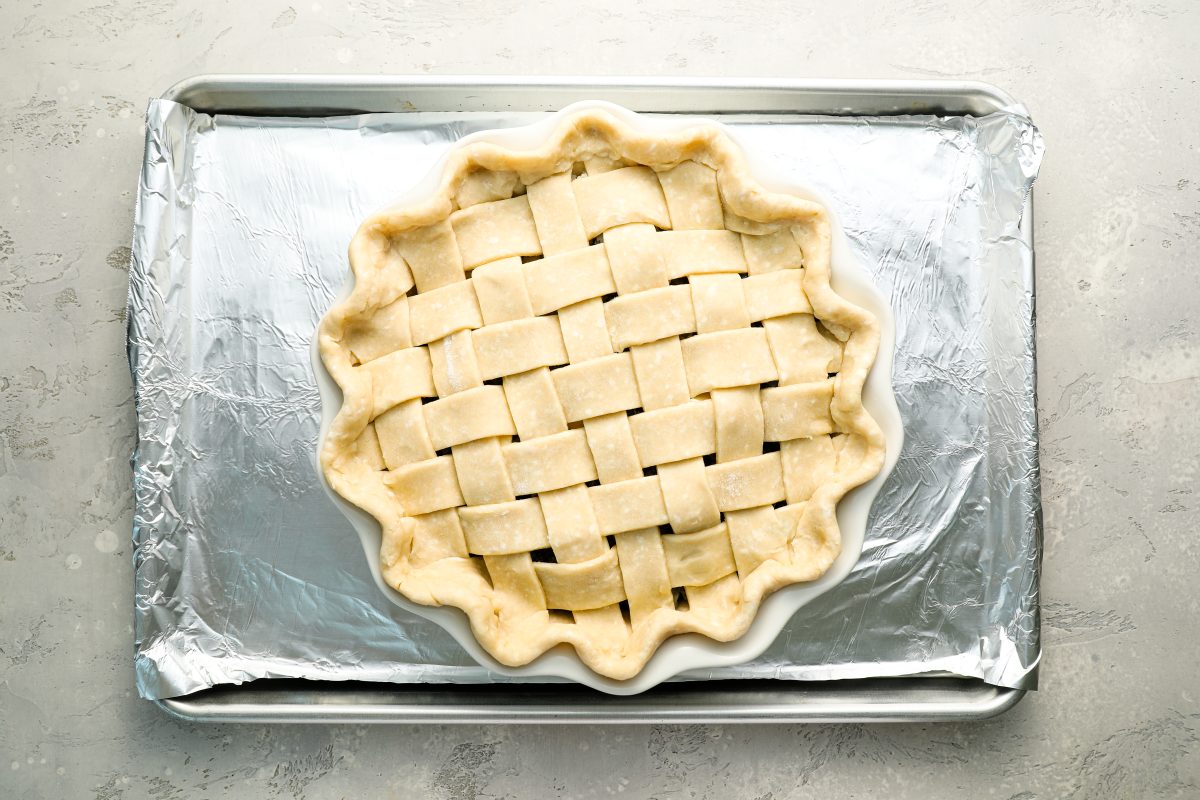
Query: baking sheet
x=245 y=569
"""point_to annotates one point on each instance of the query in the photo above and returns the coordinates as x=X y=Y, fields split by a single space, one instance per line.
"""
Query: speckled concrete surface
x=1112 y=84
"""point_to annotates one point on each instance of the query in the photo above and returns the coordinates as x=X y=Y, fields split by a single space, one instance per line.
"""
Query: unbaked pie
x=599 y=393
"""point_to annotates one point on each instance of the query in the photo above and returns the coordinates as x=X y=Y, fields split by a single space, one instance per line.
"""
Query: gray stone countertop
x=1112 y=84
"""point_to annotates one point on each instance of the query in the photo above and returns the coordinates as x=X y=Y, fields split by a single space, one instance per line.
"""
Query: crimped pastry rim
x=709 y=144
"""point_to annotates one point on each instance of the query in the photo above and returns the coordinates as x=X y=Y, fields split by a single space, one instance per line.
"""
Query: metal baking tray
x=917 y=699
x=928 y=697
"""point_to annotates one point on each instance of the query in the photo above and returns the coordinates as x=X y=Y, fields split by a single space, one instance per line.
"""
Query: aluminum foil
x=244 y=567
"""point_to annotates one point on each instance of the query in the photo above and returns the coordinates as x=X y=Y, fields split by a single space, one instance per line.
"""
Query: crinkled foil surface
x=245 y=568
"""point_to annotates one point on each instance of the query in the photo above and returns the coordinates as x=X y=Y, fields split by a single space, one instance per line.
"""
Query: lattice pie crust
x=599 y=393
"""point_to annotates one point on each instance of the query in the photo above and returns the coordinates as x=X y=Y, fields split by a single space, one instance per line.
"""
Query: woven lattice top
x=599 y=393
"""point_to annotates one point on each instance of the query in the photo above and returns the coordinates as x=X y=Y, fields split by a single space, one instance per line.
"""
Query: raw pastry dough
x=599 y=393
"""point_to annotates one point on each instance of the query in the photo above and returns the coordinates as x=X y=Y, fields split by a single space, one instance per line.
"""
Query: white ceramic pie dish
x=685 y=652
